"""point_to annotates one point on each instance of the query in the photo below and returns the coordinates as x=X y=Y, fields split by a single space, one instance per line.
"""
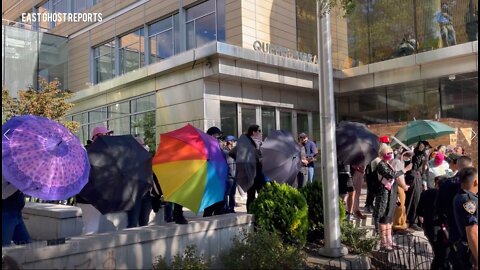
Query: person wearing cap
x=311 y=153
x=437 y=167
x=231 y=183
x=384 y=139
x=219 y=207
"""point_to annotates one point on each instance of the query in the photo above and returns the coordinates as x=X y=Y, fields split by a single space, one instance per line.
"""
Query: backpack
x=371 y=176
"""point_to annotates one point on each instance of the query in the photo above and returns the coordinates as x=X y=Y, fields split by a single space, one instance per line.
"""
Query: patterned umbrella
x=191 y=168
x=42 y=158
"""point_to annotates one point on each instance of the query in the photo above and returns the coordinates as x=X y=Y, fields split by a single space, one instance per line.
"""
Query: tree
x=49 y=101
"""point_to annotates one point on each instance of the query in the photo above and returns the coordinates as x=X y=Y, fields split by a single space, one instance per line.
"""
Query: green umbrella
x=420 y=130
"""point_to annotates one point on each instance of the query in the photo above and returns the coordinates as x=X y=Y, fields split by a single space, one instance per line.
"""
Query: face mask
x=407 y=162
x=388 y=156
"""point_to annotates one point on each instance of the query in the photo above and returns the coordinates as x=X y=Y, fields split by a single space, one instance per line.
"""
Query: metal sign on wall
x=285 y=52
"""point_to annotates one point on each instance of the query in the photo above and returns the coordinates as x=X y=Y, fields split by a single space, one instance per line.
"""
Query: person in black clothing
x=13 y=226
x=445 y=221
x=427 y=218
x=413 y=178
x=254 y=133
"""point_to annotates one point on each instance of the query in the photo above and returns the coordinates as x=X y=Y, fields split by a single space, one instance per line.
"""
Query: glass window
x=460 y=96
x=200 y=10
x=79 y=5
x=286 y=121
x=228 y=120
x=132 y=51
x=104 y=60
x=302 y=123
x=119 y=110
x=120 y=126
x=365 y=106
x=249 y=117
x=316 y=127
x=268 y=120
x=221 y=20
x=306 y=26
x=143 y=104
x=406 y=102
x=43 y=24
x=144 y=126
x=97 y=115
x=201 y=27
x=81 y=118
x=161 y=40
x=60 y=6
x=52 y=57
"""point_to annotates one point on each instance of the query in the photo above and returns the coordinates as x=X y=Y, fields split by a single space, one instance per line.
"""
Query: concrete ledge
x=134 y=248
x=46 y=221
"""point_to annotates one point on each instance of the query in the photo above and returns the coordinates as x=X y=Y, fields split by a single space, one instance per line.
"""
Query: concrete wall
x=134 y=248
x=462 y=137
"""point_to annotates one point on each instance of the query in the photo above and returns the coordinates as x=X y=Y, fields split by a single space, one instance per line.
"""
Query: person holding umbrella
x=231 y=183
x=91 y=216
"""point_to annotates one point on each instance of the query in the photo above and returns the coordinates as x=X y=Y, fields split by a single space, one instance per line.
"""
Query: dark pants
x=230 y=196
x=139 y=215
x=462 y=259
x=370 y=193
x=215 y=209
x=13 y=227
x=177 y=211
x=301 y=180
x=412 y=199
x=258 y=183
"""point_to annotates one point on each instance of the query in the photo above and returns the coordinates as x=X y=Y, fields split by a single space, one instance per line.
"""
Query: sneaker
x=351 y=217
x=415 y=227
x=369 y=209
x=181 y=220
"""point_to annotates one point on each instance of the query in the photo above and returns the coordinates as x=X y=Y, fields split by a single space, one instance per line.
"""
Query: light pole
x=333 y=247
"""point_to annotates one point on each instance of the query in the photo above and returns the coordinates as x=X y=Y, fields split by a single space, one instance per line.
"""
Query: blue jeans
x=13 y=228
x=230 y=196
x=311 y=171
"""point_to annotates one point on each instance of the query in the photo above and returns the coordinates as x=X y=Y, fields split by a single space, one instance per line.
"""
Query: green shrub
x=262 y=250
x=314 y=195
x=189 y=260
x=282 y=209
x=355 y=238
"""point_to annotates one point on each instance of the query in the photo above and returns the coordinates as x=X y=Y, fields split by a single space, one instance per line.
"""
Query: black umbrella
x=356 y=144
x=245 y=161
x=281 y=157
x=121 y=172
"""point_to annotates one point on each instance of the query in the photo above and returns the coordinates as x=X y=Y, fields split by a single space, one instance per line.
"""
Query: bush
x=356 y=238
x=189 y=260
x=314 y=195
x=262 y=250
x=282 y=209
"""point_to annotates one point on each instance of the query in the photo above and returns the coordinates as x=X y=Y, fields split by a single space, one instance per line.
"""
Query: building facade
x=151 y=66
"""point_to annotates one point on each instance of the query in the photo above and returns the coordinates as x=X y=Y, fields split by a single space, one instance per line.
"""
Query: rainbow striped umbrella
x=191 y=168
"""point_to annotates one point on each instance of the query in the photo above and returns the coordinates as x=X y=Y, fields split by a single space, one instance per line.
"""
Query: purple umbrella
x=42 y=158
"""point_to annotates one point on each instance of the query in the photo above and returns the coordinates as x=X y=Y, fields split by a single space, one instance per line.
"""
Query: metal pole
x=333 y=247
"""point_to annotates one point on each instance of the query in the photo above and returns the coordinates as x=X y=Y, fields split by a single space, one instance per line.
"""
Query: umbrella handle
x=401 y=144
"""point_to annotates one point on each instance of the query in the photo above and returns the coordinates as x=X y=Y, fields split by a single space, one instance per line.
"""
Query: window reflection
x=302 y=123
x=249 y=117
x=200 y=24
x=132 y=51
x=228 y=120
x=286 y=121
x=104 y=59
x=268 y=120
x=161 y=40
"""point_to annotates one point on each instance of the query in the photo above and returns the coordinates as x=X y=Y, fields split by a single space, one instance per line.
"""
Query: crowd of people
x=429 y=189
x=434 y=190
